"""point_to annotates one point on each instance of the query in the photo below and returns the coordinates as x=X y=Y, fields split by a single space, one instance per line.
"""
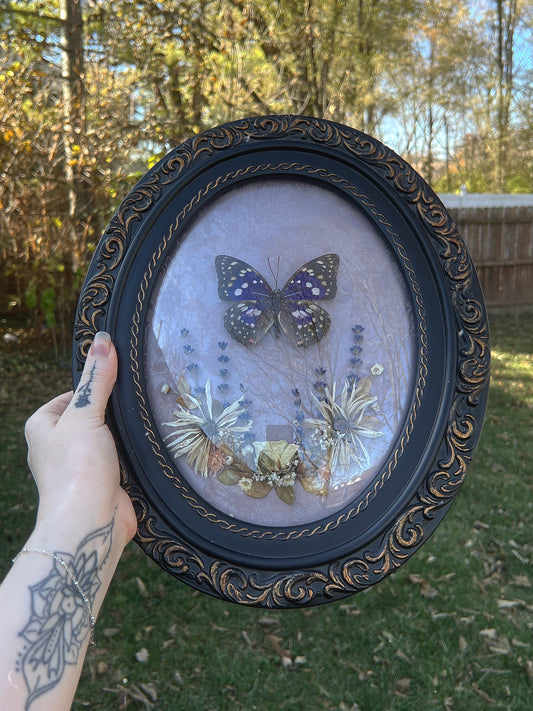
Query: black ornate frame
x=375 y=534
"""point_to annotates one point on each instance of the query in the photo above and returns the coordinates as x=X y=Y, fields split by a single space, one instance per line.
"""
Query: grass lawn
x=451 y=630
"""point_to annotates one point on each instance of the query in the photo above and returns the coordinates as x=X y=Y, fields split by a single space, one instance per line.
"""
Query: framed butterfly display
x=304 y=359
x=291 y=309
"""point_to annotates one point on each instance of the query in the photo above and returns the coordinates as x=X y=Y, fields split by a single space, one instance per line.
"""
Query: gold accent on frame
x=435 y=493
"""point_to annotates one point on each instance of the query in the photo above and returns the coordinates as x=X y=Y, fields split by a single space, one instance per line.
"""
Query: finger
x=47 y=415
x=97 y=379
x=56 y=407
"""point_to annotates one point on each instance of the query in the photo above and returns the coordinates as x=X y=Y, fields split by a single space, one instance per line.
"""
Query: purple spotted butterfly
x=292 y=309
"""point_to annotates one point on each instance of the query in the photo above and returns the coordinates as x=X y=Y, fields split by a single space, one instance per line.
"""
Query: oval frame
x=373 y=535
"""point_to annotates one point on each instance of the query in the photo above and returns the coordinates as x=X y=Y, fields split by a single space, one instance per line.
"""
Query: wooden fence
x=498 y=230
x=500 y=241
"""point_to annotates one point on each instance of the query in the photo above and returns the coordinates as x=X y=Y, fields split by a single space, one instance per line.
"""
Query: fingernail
x=101 y=344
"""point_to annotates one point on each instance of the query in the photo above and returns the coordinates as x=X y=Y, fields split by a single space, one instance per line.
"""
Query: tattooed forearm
x=60 y=618
x=84 y=394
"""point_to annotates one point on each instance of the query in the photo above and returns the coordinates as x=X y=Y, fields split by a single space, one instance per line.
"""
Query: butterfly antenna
x=276 y=273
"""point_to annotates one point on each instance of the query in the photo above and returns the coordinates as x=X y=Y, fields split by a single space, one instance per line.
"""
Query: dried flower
x=343 y=424
x=277 y=462
x=196 y=435
x=218 y=459
x=245 y=484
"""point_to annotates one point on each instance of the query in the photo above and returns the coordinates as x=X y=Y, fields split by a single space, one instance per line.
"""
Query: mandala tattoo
x=60 y=619
x=84 y=395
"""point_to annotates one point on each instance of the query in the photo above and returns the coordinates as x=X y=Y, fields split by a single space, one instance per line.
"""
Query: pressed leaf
x=278 y=456
x=229 y=476
x=259 y=489
x=287 y=456
x=363 y=386
x=314 y=485
x=265 y=463
x=286 y=494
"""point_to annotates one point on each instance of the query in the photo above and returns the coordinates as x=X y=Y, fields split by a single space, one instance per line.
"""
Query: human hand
x=73 y=457
x=51 y=597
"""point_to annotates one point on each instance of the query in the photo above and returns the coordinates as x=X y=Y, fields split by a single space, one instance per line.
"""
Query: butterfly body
x=256 y=307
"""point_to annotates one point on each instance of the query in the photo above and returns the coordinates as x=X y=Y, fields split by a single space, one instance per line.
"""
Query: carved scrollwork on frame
x=236 y=583
x=239 y=152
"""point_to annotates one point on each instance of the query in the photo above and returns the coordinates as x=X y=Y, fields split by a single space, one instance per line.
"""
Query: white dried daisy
x=196 y=433
x=343 y=424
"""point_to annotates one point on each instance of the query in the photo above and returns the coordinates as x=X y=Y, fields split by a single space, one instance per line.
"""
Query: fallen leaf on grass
x=246 y=638
x=489 y=633
x=284 y=654
x=143 y=592
x=481 y=524
x=509 y=604
x=135 y=693
x=521 y=581
x=286 y=658
x=388 y=636
x=403 y=656
x=520 y=557
x=518 y=643
x=495 y=644
x=150 y=691
x=441 y=615
x=403 y=687
x=467 y=620
x=362 y=674
x=142 y=655
x=426 y=590
x=416 y=579
x=483 y=694
x=266 y=621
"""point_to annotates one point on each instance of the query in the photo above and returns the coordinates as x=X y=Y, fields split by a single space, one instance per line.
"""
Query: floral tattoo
x=60 y=618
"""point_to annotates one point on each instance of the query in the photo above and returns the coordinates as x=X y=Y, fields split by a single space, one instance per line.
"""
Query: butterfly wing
x=238 y=281
x=252 y=315
x=247 y=323
x=304 y=321
x=315 y=281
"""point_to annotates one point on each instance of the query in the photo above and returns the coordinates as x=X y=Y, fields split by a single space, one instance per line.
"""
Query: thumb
x=97 y=379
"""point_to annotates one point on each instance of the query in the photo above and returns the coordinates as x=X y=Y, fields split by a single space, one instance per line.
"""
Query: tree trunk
x=74 y=116
x=506 y=22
